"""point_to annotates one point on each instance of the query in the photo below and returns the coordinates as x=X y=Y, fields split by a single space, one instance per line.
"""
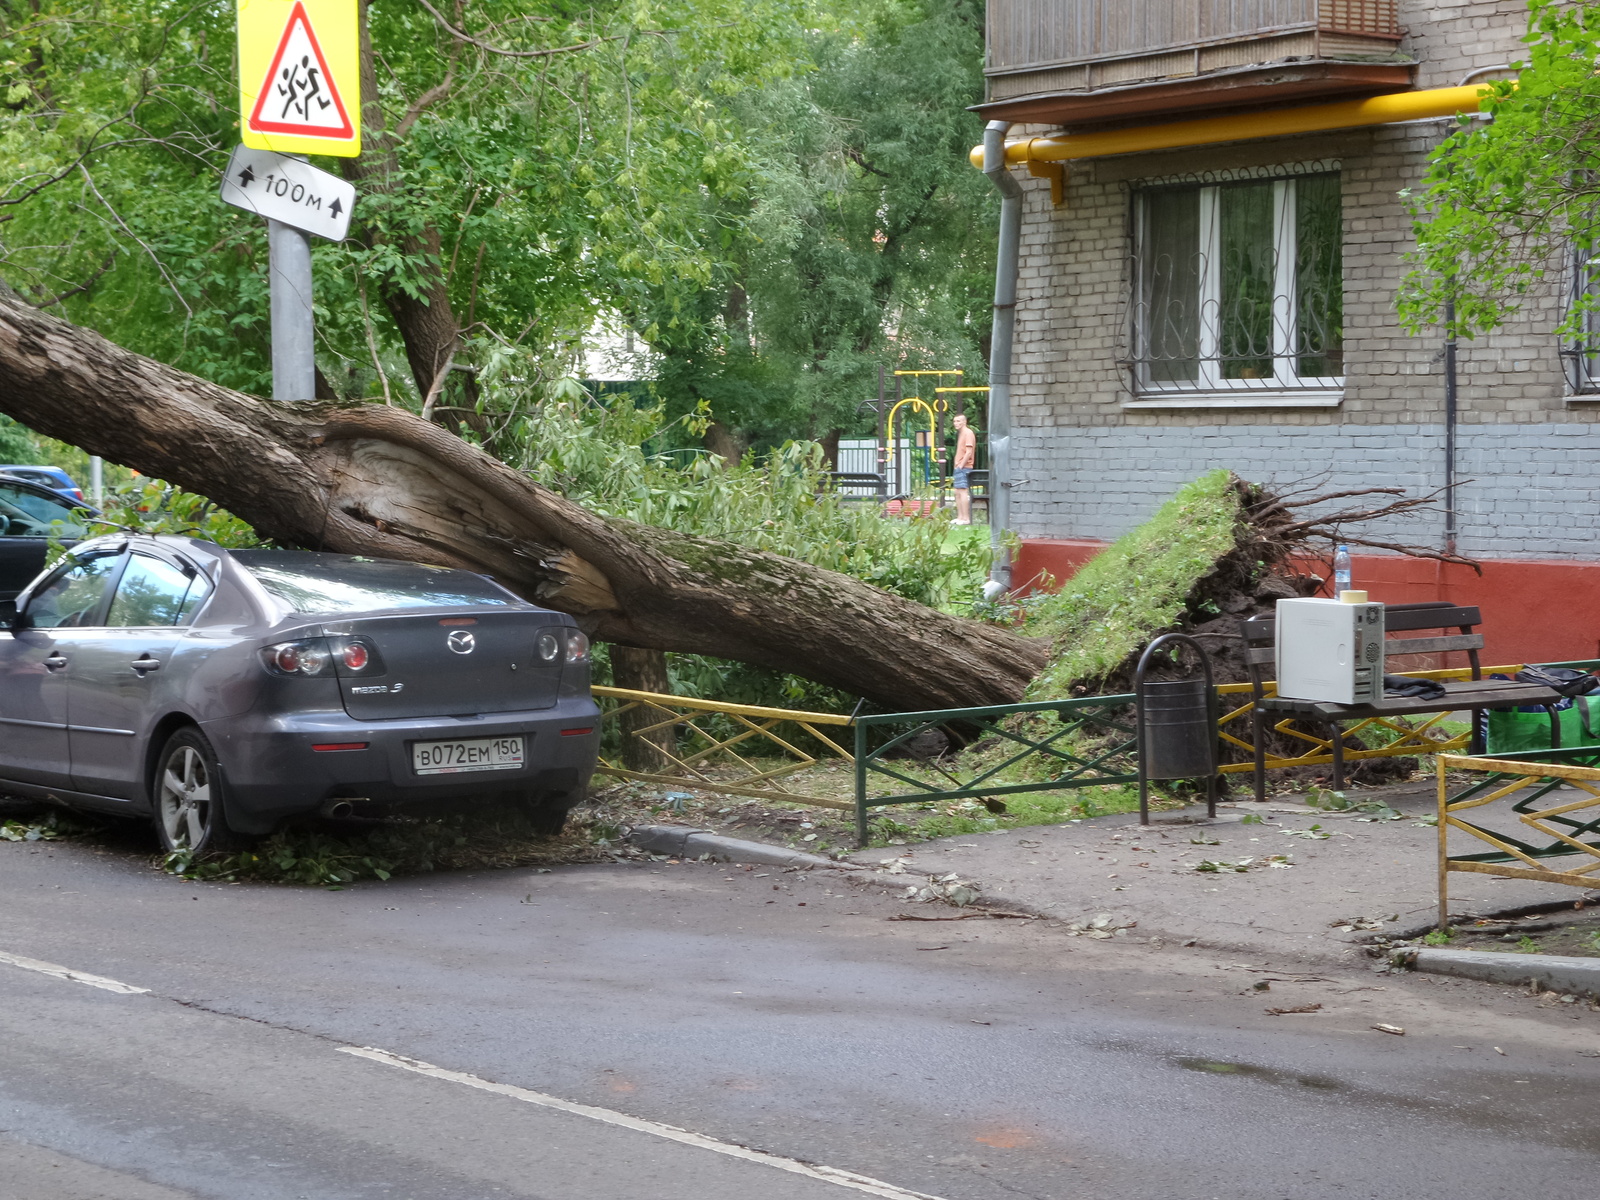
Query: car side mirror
x=10 y=618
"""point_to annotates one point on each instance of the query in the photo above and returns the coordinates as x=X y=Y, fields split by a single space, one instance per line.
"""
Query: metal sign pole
x=299 y=93
x=294 y=367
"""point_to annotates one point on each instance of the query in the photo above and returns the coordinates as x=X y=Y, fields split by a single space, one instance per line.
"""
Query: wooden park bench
x=1473 y=695
x=876 y=485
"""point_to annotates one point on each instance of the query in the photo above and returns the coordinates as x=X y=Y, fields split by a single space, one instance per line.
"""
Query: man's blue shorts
x=963 y=478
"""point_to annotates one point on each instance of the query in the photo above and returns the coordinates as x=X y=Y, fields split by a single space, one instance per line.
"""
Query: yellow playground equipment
x=928 y=452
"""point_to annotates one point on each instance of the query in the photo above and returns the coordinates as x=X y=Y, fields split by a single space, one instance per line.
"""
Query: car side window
x=155 y=592
x=28 y=514
x=72 y=598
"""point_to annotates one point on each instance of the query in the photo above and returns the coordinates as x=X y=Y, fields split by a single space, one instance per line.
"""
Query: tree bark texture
x=370 y=479
x=642 y=671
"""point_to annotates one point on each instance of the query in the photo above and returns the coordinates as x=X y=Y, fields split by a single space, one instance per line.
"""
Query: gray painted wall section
x=1534 y=490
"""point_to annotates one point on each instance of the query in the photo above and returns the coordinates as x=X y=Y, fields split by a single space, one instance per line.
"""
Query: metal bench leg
x=1338 y=755
x=1475 y=744
x=1258 y=735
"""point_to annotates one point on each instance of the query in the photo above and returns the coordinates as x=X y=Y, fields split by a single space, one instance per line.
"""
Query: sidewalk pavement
x=1368 y=878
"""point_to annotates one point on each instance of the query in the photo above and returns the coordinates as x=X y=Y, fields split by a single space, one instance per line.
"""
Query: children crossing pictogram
x=299 y=95
x=299 y=76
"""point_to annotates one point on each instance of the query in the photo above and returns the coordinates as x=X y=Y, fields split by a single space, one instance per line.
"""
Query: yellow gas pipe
x=1278 y=122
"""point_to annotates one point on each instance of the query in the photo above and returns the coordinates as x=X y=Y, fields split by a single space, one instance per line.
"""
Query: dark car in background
x=223 y=691
x=54 y=478
x=31 y=514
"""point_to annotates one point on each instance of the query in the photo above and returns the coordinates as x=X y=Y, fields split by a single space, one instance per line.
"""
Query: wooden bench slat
x=1486 y=693
x=1399 y=617
x=1433 y=645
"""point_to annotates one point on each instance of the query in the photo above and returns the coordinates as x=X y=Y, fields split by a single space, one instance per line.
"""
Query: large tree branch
x=377 y=480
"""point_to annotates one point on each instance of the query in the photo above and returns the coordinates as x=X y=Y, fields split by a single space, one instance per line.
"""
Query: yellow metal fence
x=1553 y=813
x=755 y=751
x=1424 y=736
x=733 y=749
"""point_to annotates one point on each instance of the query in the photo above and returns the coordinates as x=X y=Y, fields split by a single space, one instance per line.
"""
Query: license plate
x=466 y=754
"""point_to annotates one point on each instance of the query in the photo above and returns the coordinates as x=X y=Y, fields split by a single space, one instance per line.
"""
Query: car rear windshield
x=309 y=582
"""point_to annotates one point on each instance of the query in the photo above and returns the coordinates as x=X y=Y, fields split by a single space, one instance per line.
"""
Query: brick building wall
x=1092 y=466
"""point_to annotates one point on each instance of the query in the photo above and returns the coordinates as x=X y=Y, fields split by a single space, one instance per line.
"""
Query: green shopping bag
x=1513 y=730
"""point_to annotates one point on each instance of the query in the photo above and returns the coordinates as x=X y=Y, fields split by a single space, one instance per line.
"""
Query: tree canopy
x=770 y=192
x=1508 y=202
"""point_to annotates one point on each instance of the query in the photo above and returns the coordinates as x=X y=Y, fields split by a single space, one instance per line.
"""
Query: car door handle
x=55 y=663
x=141 y=665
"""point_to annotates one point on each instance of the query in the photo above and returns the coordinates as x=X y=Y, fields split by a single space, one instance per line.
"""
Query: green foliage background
x=771 y=193
x=1508 y=204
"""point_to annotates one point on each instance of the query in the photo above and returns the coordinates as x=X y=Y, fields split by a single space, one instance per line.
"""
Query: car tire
x=188 y=801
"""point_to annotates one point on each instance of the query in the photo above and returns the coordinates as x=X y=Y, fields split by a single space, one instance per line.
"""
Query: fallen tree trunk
x=369 y=479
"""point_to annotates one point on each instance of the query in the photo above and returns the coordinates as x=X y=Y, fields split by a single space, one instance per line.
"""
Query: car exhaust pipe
x=336 y=809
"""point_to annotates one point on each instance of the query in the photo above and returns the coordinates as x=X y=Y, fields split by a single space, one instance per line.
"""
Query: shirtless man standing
x=966 y=455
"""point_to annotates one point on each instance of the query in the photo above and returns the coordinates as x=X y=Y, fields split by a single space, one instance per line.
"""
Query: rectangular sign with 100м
x=288 y=190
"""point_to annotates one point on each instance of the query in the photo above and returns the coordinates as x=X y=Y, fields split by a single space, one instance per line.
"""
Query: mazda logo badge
x=461 y=642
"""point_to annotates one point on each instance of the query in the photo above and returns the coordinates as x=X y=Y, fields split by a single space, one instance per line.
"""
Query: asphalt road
x=970 y=1060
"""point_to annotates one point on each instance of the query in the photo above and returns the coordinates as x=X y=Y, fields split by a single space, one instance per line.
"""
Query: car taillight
x=577 y=646
x=355 y=656
x=548 y=647
x=309 y=657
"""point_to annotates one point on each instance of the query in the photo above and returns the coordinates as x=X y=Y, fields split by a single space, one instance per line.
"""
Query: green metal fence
x=1093 y=745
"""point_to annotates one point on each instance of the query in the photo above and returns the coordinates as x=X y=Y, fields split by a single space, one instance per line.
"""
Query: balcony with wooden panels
x=1087 y=63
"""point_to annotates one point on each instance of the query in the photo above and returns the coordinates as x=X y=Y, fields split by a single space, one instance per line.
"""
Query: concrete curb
x=1549 y=972
x=686 y=842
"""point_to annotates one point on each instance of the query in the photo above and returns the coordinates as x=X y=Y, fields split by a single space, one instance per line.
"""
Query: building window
x=1580 y=353
x=1240 y=291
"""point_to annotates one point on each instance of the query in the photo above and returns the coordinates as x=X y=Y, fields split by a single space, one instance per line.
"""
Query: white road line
x=97 y=981
x=847 y=1179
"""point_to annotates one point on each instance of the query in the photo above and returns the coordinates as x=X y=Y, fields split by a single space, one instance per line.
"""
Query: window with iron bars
x=1239 y=289
x=1580 y=352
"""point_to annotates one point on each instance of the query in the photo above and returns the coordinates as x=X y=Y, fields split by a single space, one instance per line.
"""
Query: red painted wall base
x=1533 y=610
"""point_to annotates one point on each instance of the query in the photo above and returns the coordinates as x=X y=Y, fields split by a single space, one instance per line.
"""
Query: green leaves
x=153 y=507
x=1506 y=202
x=1136 y=587
x=613 y=459
x=544 y=183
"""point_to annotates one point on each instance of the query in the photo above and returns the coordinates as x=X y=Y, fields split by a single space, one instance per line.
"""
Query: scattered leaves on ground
x=1315 y=833
x=52 y=827
x=488 y=837
x=1351 y=924
x=1215 y=866
x=1100 y=927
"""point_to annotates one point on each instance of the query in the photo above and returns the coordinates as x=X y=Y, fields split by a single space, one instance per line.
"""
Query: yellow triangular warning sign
x=299 y=76
x=299 y=94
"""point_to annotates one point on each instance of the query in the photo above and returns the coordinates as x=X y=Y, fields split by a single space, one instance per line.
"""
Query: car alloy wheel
x=188 y=790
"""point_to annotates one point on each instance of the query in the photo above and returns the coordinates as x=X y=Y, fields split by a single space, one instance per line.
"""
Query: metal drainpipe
x=1450 y=426
x=1005 y=312
x=1451 y=381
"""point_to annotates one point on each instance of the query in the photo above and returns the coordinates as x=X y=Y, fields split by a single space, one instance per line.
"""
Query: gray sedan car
x=222 y=691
